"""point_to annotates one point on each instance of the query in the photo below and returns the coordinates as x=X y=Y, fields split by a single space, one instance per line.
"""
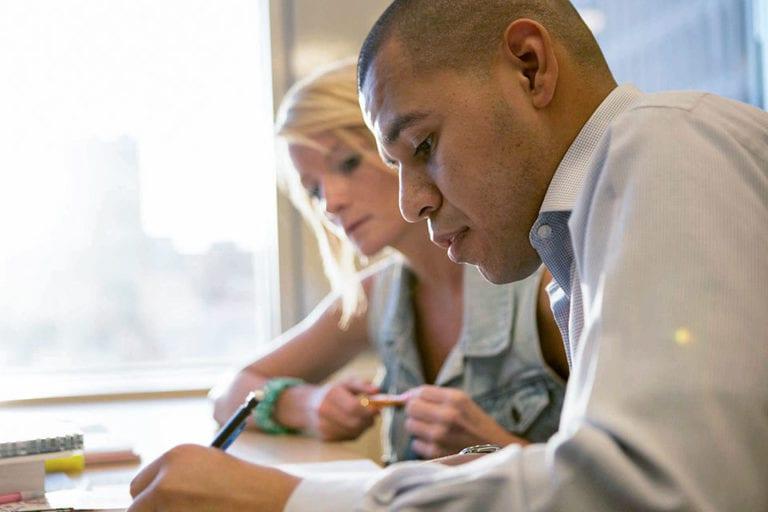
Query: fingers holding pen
x=175 y=482
x=344 y=403
x=348 y=414
x=339 y=414
x=157 y=481
x=146 y=476
x=445 y=420
x=359 y=386
x=434 y=404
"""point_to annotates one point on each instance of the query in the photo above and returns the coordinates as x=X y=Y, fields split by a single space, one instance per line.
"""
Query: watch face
x=480 y=448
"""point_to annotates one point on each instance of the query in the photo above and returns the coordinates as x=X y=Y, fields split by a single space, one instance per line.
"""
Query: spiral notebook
x=18 y=440
x=24 y=447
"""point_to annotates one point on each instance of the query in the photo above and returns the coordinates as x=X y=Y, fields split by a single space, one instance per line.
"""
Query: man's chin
x=489 y=271
x=502 y=274
x=455 y=258
x=491 y=276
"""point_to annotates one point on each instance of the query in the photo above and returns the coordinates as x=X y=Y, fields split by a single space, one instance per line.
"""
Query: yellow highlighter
x=70 y=463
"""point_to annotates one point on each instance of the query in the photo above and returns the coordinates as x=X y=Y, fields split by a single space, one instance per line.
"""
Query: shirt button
x=544 y=231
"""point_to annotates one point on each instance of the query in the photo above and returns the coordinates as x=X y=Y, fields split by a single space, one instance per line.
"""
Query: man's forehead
x=384 y=95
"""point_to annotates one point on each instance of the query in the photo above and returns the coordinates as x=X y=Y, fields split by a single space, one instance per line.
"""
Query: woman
x=475 y=363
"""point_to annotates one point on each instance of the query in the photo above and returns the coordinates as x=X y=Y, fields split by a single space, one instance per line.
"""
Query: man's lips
x=445 y=240
x=349 y=228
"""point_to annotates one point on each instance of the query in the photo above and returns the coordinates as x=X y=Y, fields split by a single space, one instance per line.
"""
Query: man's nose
x=419 y=196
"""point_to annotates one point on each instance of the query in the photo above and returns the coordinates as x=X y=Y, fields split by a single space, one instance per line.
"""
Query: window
x=711 y=45
x=137 y=202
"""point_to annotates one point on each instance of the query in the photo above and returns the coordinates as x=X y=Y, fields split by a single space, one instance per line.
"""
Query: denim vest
x=497 y=360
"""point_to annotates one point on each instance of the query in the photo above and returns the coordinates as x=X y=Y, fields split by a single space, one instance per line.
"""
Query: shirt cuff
x=330 y=493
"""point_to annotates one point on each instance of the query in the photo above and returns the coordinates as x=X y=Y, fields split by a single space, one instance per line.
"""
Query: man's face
x=470 y=156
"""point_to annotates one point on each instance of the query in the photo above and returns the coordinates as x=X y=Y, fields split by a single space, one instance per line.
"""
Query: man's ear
x=529 y=46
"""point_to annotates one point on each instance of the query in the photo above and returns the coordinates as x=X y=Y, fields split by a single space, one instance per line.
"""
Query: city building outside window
x=137 y=202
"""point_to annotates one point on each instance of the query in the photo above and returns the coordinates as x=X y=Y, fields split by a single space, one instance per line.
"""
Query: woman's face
x=358 y=195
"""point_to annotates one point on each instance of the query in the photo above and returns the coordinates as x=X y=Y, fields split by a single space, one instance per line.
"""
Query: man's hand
x=192 y=478
x=456 y=460
x=443 y=421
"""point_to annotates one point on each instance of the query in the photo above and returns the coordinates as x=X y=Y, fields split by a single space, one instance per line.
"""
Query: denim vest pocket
x=519 y=406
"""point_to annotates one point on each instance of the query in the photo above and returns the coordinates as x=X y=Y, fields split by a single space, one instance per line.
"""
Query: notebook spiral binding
x=62 y=443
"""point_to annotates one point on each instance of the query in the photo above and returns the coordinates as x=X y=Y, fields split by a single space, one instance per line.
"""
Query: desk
x=156 y=424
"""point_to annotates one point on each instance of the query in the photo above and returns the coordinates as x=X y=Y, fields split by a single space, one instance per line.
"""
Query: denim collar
x=488 y=314
x=397 y=318
x=487 y=317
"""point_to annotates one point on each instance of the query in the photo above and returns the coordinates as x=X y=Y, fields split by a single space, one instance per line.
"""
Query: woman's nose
x=335 y=196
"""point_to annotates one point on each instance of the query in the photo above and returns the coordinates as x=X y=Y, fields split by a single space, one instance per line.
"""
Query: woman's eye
x=314 y=192
x=350 y=164
x=424 y=149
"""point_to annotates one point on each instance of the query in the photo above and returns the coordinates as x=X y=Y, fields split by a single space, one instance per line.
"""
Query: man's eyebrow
x=401 y=123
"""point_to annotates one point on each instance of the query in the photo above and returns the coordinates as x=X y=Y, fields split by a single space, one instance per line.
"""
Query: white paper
x=336 y=468
x=103 y=498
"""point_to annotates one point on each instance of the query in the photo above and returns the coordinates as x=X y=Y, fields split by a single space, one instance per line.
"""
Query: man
x=651 y=211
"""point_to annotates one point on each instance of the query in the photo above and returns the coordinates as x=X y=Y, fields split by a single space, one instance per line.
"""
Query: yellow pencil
x=381 y=400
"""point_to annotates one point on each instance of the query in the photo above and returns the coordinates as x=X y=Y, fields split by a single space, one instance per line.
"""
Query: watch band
x=480 y=448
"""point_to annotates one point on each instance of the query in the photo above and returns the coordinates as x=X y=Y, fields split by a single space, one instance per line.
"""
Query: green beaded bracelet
x=263 y=413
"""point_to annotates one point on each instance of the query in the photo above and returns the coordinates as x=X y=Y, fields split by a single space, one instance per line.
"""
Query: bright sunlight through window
x=137 y=203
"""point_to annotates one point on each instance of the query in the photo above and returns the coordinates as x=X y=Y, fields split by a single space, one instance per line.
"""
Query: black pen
x=236 y=423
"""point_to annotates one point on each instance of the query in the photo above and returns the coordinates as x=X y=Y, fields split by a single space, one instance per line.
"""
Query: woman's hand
x=229 y=394
x=332 y=412
x=199 y=479
x=443 y=421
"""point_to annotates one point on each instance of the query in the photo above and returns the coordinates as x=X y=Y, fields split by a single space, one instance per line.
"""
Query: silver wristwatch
x=480 y=448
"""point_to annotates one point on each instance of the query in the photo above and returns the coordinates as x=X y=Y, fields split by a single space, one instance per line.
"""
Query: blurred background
x=143 y=244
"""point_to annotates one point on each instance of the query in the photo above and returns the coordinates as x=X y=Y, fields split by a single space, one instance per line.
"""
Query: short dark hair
x=461 y=34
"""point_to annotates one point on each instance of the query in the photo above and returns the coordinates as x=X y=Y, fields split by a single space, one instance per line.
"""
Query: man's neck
x=575 y=108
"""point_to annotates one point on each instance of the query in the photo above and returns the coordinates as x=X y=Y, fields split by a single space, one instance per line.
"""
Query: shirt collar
x=569 y=176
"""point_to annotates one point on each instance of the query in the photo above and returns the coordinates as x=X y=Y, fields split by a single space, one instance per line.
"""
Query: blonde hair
x=327 y=102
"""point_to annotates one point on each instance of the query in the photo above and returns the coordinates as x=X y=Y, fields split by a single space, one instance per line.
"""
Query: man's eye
x=350 y=163
x=391 y=164
x=424 y=149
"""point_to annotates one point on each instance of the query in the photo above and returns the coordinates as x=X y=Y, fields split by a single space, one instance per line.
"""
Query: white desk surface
x=156 y=424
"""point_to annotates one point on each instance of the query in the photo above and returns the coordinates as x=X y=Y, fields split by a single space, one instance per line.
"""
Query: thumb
x=359 y=385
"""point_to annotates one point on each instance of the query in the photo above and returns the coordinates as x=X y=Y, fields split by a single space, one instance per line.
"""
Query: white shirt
x=667 y=405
